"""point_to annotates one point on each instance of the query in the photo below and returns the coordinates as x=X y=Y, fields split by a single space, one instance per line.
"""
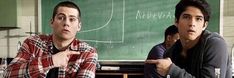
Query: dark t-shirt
x=53 y=73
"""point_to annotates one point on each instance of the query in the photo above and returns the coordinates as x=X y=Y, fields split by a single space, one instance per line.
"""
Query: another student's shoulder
x=159 y=47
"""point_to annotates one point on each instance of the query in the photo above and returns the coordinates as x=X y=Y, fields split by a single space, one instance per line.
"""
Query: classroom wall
x=9 y=38
x=28 y=13
x=228 y=21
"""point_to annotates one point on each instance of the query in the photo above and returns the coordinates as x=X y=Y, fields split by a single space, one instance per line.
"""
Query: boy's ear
x=168 y=37
x=205 y=25
x=79 y=27
x=176 y=23
x=51 y=22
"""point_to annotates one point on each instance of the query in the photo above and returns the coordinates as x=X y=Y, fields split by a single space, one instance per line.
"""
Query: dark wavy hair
x=171 y=30
x=200 y=4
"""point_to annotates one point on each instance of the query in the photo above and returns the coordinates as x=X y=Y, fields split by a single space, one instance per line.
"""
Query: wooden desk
x=127 y=69
x=120 y=73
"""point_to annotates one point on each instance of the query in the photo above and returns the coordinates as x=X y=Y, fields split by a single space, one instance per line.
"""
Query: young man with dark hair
x=199 y=53
x=59 y=55
x=171 y=35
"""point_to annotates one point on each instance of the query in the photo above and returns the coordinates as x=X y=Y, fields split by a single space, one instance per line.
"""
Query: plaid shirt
x=34 y=60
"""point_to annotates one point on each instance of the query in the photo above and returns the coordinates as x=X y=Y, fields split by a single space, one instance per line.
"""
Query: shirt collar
x=74 y=45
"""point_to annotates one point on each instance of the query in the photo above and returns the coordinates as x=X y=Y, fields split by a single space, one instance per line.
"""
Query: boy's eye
x=199 y=19
x=73 y=19
x=61 y=18
x=186 y=16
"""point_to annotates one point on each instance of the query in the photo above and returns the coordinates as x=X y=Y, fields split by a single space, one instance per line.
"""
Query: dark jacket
x=207 y=55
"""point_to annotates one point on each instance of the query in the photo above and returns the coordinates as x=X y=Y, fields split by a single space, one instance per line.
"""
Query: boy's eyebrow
x=73 y=16
x=186 y=15
x=200 y=16
x=69 y=15
x=60 y=14
x=191 y=15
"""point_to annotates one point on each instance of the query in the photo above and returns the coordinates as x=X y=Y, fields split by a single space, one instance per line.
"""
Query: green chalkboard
x=124 y=29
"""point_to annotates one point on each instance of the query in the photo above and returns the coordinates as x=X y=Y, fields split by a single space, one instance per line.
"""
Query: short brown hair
x=66 y=4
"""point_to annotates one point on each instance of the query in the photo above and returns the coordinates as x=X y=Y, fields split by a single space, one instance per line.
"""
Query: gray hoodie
x=208 y=54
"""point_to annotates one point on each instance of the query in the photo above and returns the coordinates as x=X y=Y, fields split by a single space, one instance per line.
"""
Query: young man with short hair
x=58 y=55
x=199 y=53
